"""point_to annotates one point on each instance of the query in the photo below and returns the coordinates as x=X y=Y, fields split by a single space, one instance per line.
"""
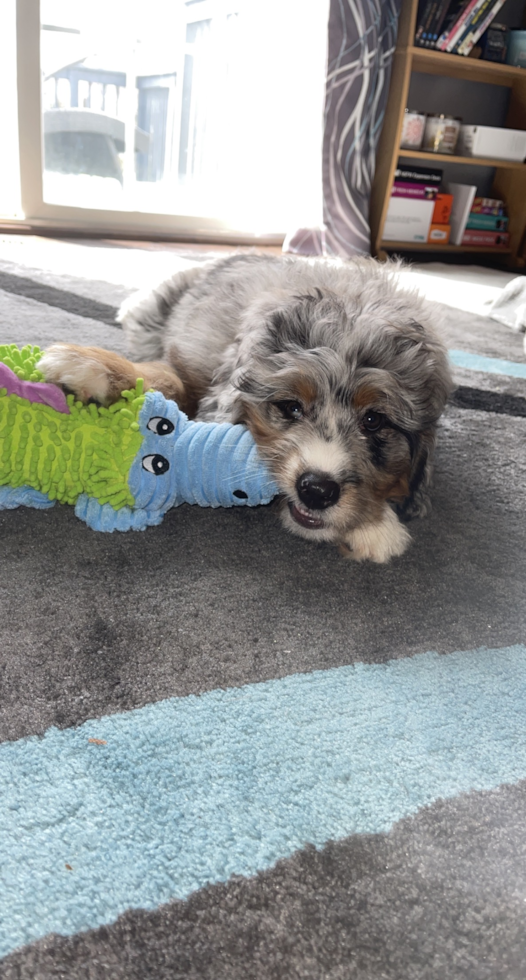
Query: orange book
x=442 y=212
x=439 y=233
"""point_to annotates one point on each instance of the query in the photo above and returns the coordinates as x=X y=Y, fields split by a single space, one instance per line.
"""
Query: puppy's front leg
x=377 y=542
x=94 y=374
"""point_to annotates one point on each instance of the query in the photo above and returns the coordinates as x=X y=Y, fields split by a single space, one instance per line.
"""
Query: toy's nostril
x=241 y=494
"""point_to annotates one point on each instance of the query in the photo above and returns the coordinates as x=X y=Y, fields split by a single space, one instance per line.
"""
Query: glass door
x=201 y=117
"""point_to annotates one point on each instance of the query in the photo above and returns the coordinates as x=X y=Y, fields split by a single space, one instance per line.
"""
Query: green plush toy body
x=123 y=466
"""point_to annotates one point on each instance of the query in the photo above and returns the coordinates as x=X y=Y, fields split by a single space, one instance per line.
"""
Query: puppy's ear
x=417 y=502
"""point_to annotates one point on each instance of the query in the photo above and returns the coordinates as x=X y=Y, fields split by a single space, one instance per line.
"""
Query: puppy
x=333 y=368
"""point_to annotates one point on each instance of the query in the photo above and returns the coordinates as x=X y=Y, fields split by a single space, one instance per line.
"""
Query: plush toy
x=124 y=466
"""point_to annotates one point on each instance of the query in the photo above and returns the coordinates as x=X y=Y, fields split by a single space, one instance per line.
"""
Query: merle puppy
x=334 y=369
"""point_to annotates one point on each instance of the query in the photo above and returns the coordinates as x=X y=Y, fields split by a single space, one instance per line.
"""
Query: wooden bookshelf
x=509 y=182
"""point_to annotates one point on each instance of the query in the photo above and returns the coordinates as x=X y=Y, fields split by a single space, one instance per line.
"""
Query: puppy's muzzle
x=316 y=491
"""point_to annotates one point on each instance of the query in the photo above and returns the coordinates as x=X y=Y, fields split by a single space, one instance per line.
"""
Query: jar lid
x=415 y=112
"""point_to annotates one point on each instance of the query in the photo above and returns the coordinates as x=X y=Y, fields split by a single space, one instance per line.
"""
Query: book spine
x=497 y=212
x=489 y=202
x=479 y=237
x=488 y=205
x=457 y=27
x=420 y=191
x=469 y=43
x=428 y=28
x=441 y=17
x=454 y=9
x=487 y=222
x=423 y=16
x=404 y=175
x=472 y=23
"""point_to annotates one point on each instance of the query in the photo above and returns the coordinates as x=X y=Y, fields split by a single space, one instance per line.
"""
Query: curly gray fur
x=341 y=339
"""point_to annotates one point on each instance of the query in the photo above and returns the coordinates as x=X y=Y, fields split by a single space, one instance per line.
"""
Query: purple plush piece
x=34 y=391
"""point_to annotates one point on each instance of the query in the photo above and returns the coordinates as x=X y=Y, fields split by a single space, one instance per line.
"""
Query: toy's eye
x=161 y=427
x=240 y=494
x=155 y=464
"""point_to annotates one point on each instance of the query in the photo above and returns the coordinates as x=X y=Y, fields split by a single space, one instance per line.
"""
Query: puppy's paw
x=377 y=542
x=88 y=372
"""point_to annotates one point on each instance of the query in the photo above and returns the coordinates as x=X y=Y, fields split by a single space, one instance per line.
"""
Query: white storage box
x=491 y=141
x=408 y=220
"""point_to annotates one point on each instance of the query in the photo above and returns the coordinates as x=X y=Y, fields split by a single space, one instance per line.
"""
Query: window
x=10 y=203
x=199 y=117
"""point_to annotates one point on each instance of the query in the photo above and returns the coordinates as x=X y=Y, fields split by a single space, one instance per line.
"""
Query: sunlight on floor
x=469 y=287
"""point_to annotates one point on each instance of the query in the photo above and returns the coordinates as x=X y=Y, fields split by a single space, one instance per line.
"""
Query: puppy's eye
x=155 y=464
x=372 y=421
x=290 y=410
x=161 y=427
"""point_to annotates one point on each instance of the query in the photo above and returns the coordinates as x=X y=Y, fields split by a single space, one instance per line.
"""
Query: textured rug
x=229 y=754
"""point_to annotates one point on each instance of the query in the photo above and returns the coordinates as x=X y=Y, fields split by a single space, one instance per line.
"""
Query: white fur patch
x=381 y=541
x=318 y=456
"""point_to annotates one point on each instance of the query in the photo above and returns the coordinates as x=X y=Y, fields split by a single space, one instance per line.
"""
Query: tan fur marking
x=365 y=396
x=92 y=372
x=264 y=434
x=392 y=488
x=304 y=388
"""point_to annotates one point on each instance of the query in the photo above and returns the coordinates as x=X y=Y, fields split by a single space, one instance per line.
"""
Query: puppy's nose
x=316 y=491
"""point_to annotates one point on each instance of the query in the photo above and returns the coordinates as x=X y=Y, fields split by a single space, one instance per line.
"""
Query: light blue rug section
x=492 y=365
x=193 y=790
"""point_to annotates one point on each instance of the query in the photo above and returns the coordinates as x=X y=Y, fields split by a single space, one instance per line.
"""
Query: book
x=487 y=202
x=422 y=17
x=471 y=23
x=440 y=21
x=435 y=26
x=492 y=238
x=442 y=212
x=498 y=212
x=424 y=192
x=463 y=197
x=470 y=41
x=426 y=36
x=407 y=220
x=487 y=222
x=488 y=205
x=459 y=26
x=454 y=8
x=408 y=174
x=439 y=233
x=454 y=13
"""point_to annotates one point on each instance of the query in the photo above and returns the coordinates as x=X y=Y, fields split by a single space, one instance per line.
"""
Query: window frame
x=38 y=215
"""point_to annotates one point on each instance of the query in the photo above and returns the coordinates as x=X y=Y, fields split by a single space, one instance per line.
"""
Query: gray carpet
x=98 y=629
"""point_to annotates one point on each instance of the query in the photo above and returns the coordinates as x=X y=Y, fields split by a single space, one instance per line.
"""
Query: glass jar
x=441 y=133
x=412 y=130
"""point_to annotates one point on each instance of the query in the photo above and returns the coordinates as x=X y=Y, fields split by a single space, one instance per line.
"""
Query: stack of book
x=487 y=224
x=454 y=26
x=418 y=211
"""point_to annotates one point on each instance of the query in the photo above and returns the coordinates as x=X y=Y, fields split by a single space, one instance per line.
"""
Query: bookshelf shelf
x=509 y=181
x=429 y=247
x=457 y=66
x=472 y=161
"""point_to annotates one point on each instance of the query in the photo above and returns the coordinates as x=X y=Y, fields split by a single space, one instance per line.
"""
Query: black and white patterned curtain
x=361 y=43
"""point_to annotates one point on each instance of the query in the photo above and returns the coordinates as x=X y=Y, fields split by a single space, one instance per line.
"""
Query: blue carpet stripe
x=193 y=790
x=490 y=365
